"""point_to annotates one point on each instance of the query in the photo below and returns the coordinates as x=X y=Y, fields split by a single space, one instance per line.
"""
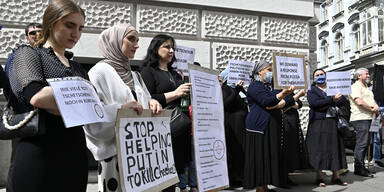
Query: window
x=324 y=50
x=381 y=25
x=366 y=29
x=340 y=47
x=324 y=13
x=356 y=37
x=339 y=5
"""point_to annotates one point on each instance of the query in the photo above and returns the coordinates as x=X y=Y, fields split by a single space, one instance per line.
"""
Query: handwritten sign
x=338 y=82
x=145 y=151
x=184 y=56
x=77 y=101
x=239 y=70
x=289 y=70
x=208 y=130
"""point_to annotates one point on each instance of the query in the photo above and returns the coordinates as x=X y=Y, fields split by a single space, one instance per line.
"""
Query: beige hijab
x=110 y=42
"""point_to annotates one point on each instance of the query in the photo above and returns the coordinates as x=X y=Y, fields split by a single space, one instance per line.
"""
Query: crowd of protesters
x=264 y=139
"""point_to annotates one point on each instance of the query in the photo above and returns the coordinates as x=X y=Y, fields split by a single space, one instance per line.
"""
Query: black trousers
x=362 y=140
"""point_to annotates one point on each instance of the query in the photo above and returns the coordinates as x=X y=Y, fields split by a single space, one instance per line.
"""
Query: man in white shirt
x=363 y=106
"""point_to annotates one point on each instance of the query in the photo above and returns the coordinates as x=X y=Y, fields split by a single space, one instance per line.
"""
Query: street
x=305 y=180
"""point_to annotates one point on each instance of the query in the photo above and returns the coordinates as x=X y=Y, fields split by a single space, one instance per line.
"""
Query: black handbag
x=342 y=123
x=22 y=125
x=180 y=123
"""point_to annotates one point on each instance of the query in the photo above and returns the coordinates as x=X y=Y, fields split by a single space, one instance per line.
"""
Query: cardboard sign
x=144 y=149
x=338 y=82
x=208 y=130
x=289 y=70
x=184 y=56
x=77 y=101
x=239 y=70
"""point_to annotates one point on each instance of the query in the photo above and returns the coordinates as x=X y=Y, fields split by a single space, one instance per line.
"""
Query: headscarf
x=224 y=74
x=110 y=42
x=260 y=65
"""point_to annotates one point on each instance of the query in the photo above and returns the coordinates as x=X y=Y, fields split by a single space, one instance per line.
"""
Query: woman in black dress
x=325 y=144
x=263 y=125
x=167 y=87
x=294 y=149
x=57 y=160
x=235 y=112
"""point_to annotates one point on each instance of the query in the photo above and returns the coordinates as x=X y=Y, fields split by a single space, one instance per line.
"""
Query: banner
x=208 y=130
x=184 y=56
x=77 y=101
x=338 y=82
x=289 y=70
x=144 y=148
x=239 y=70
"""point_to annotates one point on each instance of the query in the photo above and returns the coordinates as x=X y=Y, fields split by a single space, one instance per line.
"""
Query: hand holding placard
x=337 y=97
x=285 y=92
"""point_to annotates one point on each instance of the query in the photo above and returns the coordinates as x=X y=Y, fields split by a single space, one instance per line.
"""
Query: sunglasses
x=34 y=32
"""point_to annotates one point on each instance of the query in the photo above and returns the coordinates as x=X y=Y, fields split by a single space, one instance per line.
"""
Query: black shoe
x=338 y=181
x=290 y=182
x=362 y=171
x=379 y=163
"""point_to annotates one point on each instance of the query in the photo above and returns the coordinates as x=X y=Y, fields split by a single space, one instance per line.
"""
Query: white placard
x=289 y=70
x=338 y=82
x=208 y=130
x=77 y=101
x=145 y=151
x=239 y=70
x=375 y=123
x=184 y=56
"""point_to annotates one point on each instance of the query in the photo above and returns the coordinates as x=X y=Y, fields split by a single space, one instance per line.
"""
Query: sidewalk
x=306 y=182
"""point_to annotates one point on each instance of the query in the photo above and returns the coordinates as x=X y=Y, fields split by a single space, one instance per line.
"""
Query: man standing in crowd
x=363 y=106
x=31 y=32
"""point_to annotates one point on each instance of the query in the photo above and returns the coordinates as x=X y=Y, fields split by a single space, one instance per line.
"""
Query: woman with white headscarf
x=118 y=87
x=263 y=125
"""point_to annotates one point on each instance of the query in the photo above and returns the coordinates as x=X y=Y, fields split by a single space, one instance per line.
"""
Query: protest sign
x=375 y=124
x=144 y=148
x=338 y=82
x=289 y=70
x=208 y=130
x=239 y=70
x=184 y=56
x=77 y=101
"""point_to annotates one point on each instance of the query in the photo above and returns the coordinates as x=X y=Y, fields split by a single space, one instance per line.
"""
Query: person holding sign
x=118 y=87
x=166 y=86
x=235 y=112
x=324 y=142
x=44 y=162
x=263 y=125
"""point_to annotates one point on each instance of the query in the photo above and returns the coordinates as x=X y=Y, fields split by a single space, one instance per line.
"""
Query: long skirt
x=262 y=155
x=294 y=147
x=325 y=145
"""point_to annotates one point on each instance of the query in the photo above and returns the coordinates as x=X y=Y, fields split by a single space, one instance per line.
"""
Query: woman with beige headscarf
x=118 y=87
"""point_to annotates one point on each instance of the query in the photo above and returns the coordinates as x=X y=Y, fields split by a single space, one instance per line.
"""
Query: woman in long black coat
x=235 y=112
x=325 y=144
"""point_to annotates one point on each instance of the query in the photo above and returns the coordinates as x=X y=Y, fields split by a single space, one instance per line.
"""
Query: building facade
x=219 y=30
x=350 y=34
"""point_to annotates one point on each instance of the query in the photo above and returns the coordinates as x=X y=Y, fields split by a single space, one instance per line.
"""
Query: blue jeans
x=376 y=146
x=191 y=170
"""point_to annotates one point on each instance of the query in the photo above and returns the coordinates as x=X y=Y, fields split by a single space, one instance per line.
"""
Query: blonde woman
x=56 y=161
